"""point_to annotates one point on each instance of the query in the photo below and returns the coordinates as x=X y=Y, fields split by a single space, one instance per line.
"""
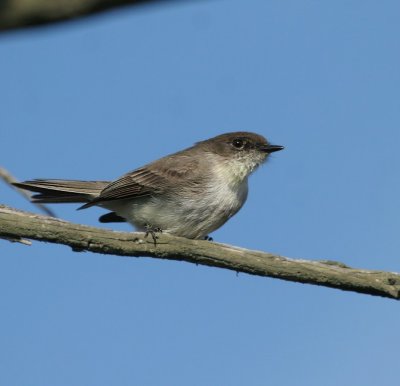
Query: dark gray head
x=240 y=144
x=240 y=141
x=243 y=149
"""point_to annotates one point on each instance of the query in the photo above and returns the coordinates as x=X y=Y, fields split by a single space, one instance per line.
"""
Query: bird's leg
x=150 y=230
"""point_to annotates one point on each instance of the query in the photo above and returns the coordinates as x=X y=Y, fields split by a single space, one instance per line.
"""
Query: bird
x=190 y=193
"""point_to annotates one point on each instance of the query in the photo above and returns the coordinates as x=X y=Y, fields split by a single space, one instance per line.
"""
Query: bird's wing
x=152 y=179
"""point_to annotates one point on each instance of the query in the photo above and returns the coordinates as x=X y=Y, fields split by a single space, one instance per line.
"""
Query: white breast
x=193 y=216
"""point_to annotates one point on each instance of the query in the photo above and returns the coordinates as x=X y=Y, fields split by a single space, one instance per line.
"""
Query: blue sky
x=96 y=98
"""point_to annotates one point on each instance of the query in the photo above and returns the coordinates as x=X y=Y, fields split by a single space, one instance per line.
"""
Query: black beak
x=270 y=148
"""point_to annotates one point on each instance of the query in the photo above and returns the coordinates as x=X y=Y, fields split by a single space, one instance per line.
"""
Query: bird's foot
x=150 y=230
x=208 y=238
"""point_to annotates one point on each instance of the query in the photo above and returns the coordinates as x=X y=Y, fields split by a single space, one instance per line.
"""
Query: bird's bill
x=271 y=148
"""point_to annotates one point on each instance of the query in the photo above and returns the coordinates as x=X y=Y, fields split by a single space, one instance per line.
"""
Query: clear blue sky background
x=96 y=98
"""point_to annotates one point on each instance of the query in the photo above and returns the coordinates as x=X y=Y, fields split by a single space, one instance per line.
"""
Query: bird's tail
x=62 y=191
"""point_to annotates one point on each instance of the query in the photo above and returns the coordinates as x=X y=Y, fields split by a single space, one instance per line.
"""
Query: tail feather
x=62 y=191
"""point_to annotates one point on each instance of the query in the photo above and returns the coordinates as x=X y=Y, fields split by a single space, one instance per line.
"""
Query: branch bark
x=16 y=225
x=27 y=13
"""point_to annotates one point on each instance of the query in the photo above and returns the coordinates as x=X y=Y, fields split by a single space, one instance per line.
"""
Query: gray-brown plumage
x=189 y=193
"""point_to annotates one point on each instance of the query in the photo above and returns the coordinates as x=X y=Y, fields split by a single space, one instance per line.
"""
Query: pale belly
x=192 y=218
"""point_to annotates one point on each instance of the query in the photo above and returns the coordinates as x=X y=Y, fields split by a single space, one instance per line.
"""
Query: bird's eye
x=238 y=143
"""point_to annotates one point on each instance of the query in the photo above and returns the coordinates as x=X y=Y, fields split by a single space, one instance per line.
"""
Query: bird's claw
x=150 y=230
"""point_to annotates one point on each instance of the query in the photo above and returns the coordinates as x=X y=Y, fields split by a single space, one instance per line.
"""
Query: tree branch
x=16 y=225
x=27 y=13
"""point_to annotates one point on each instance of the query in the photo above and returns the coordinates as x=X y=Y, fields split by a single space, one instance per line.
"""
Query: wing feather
x=151 y=179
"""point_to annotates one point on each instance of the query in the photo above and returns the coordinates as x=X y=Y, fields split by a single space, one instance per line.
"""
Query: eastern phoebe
x=190 y=193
